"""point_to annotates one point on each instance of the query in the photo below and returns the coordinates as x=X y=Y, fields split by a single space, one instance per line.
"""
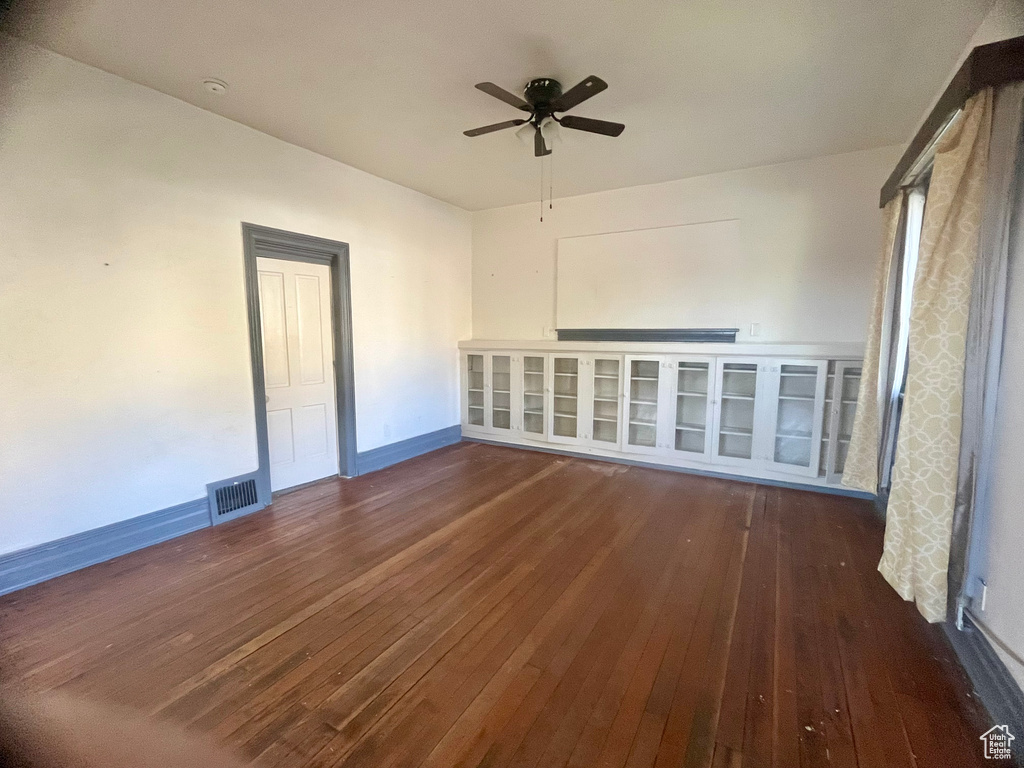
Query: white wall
x=816 y=222
x=124 y=364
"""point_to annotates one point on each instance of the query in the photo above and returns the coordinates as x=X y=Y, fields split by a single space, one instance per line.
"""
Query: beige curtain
x=920 y=512
x=861 y=468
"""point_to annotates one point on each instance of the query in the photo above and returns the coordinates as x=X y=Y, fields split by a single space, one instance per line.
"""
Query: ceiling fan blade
x=579 y=93
x=540 y=149
x=500 y=93
x=495 y=127
x=593 y=126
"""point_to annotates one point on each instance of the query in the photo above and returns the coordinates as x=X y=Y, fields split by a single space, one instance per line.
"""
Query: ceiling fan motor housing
x=540 y=93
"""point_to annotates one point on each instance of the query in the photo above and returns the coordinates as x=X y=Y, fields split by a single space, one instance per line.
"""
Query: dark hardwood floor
x=485 y=606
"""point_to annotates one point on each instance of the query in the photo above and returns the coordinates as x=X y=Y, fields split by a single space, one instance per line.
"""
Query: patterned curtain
x=861 y=468
x=924 y=479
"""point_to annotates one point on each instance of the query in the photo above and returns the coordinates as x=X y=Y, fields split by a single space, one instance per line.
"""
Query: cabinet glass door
x=798 y=416
x=533 y=395
x=565 y=390
x=734 y=438
x=847 y=384
x=475 y=390
x=607 y=400
x=644 y=388
x=693 y=401
x=827 y=438
x=501 y=392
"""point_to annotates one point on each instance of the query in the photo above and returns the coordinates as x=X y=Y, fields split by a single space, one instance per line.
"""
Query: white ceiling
x=387 y=85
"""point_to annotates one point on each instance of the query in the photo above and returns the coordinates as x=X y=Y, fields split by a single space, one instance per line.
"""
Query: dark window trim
x=993 y=65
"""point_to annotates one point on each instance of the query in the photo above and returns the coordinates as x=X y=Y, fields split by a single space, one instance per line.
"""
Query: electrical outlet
x=755 y=329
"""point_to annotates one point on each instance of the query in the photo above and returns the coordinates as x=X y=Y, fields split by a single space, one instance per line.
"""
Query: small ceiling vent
x=233 y=498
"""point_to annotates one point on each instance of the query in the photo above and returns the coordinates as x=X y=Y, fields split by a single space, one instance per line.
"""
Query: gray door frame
x=270 y=243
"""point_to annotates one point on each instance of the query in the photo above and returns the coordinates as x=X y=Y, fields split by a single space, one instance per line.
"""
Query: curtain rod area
x=994 y=64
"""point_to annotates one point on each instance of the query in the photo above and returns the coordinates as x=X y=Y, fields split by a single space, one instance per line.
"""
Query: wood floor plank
x=490 y=607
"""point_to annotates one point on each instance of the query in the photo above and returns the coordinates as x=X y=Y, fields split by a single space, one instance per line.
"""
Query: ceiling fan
x=543 y=97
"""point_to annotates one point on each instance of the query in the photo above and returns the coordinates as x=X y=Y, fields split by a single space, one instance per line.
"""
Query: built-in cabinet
x=750 y=415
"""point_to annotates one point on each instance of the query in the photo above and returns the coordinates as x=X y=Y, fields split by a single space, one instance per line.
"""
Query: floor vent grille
x=233 y=497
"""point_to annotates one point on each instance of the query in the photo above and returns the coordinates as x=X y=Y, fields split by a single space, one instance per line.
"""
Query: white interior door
x=298 y=367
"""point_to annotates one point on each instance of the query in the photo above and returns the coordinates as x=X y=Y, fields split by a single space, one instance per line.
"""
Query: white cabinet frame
x=597 y=374
x=760 y=398
x=760 y=370
x=492 y=395
x=676 y=362
x=523 y=406
x=835 y=436
x=557 y=401
x=467 y=396
x=773 y=399
x=657 y=399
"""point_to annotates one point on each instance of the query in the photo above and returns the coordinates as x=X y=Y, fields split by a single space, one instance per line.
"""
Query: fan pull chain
x=542 y=190
x=551 y=181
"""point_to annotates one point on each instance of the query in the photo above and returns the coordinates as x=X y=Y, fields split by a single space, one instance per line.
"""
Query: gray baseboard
x=55 y=558
x=386 y=455
x=993 y=684
x=794 y=485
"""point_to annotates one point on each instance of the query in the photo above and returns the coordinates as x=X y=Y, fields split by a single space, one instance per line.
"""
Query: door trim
x=290 y=246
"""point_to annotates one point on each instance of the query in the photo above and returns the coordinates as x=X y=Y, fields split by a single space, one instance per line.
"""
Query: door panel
x=275 y=330
x=298 y=362
x=310 y=329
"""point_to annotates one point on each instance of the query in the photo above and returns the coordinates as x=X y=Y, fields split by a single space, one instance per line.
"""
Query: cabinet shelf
x=644 y=378
x=727 y=396
x=690 y=428
x=606 y=376
x=643 y=402
x=607 y=400
x=793 y=436
x=806 y=398
x=643 y=423
x=602 y=418
x=740 y=431
x=534 y=413
x=692 y=394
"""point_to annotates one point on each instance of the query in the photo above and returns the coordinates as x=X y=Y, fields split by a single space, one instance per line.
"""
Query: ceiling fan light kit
x=542 y=98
